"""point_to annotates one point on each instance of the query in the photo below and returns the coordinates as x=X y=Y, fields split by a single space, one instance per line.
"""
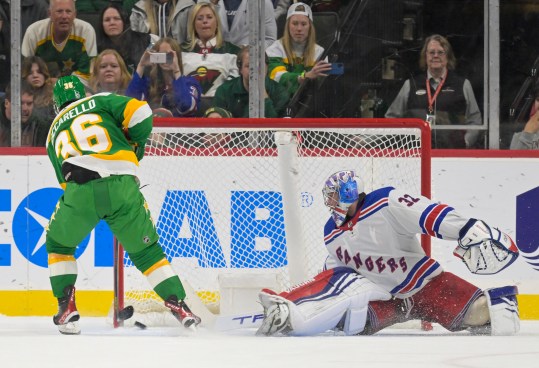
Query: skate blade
x=70 y=328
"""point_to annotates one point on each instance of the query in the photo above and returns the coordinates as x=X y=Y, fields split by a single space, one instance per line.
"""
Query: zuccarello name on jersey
x=77 y=110
x=73 y=112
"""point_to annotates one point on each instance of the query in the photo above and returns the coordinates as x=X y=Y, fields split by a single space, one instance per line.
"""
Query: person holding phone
x=295 y=56
x=160 y=80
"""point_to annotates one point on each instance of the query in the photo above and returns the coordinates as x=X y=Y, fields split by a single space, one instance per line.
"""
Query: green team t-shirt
x=100 y=133
x=71 y=57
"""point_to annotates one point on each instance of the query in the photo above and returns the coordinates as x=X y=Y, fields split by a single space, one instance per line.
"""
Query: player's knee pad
x=485 y=250
x=503 y=309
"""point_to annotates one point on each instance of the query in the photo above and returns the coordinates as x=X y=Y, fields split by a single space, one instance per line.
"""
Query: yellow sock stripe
x=55 y=257
x=155 y=266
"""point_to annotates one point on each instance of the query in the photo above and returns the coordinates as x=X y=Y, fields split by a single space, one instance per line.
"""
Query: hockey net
x=243 y=198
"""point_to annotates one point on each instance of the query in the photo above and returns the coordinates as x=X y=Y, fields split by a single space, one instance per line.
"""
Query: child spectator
x=233 y=95
x=35 y=72
x=33 y=130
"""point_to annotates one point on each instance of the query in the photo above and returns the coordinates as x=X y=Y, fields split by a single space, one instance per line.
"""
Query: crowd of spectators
x=189 y=58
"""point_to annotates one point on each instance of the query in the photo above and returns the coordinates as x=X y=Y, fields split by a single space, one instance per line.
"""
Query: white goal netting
x=246 y=201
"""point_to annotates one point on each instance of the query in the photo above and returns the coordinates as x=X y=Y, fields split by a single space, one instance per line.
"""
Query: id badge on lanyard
x=431 y=119
x=431 y=116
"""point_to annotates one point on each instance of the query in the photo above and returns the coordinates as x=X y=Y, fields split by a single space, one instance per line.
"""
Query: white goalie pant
x=333 y=296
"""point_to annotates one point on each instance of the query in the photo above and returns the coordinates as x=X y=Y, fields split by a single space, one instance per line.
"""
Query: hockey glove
x=485 y=250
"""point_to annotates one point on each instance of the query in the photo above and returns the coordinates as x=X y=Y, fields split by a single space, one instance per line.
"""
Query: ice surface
x=35 y=342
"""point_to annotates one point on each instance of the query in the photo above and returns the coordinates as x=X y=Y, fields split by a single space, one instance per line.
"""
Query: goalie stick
x=209 y=320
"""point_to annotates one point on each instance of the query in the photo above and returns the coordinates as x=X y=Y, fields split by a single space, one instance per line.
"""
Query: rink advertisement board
x=502 y=191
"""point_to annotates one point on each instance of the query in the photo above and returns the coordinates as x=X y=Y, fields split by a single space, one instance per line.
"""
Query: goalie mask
x=67 y=89
x=340 y=191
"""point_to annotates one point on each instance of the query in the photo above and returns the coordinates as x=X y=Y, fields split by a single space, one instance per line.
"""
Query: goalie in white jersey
x=377 y=274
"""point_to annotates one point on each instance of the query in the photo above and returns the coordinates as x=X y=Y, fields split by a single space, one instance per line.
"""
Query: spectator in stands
x=166 y=88
x=109 y=73
x=114 y=32
x=207 y=57
x=528 y=138
x=35 y=72
x=295 y=56
x=164 y=18
x=235 y=21
x=62 y=39
x=33 y=130
x=439 y=96
x=233 y=95
x=31 y=11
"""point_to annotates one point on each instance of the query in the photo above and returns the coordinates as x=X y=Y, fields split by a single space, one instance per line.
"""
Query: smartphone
x=161 y=57
x=336 y=69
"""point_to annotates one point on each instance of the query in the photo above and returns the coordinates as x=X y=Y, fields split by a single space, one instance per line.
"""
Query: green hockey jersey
x=105 y=133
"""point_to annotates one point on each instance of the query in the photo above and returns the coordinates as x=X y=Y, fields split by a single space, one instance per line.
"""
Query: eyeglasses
x=434 y=53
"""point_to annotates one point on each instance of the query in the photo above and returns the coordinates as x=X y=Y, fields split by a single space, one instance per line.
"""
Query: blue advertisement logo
x=527 y=226
x=185 y=224
x=246 y=228
x=29 y=223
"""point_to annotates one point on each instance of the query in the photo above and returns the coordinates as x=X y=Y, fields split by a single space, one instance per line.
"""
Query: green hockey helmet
x=67 y=89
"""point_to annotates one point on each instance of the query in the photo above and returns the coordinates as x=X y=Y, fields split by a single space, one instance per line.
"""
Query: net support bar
x=288 y=169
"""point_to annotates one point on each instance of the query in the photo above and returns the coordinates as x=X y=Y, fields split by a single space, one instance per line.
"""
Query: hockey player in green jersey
x=95 y=144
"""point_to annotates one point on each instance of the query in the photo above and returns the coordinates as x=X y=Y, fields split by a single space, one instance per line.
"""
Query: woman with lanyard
x=439 y=96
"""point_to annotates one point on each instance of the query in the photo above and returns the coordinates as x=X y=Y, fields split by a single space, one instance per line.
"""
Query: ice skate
x=67 y=317
x=181 y=311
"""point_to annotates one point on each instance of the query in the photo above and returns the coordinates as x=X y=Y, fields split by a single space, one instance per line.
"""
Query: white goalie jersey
x=381 y=241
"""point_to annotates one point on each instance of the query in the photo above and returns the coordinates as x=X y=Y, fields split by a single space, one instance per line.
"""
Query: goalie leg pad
x=320 y=304
x=485 y=250
x=355 y=320
x=503 y=309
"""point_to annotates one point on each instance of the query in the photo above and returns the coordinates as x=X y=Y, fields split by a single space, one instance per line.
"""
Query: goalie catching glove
x=485 y=250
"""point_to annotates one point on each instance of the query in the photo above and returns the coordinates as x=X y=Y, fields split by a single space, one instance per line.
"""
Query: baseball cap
x=300 y=9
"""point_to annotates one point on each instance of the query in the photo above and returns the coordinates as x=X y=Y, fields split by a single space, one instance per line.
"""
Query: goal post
x=238 y=202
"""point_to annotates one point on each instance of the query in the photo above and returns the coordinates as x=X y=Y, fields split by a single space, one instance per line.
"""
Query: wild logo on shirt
x=369 y=263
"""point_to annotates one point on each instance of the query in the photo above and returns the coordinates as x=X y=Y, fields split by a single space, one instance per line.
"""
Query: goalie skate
x=276 y=320
x=181 y=311
x=67 y=317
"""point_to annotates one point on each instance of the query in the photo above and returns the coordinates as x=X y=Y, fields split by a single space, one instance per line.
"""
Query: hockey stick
x=219 y=322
